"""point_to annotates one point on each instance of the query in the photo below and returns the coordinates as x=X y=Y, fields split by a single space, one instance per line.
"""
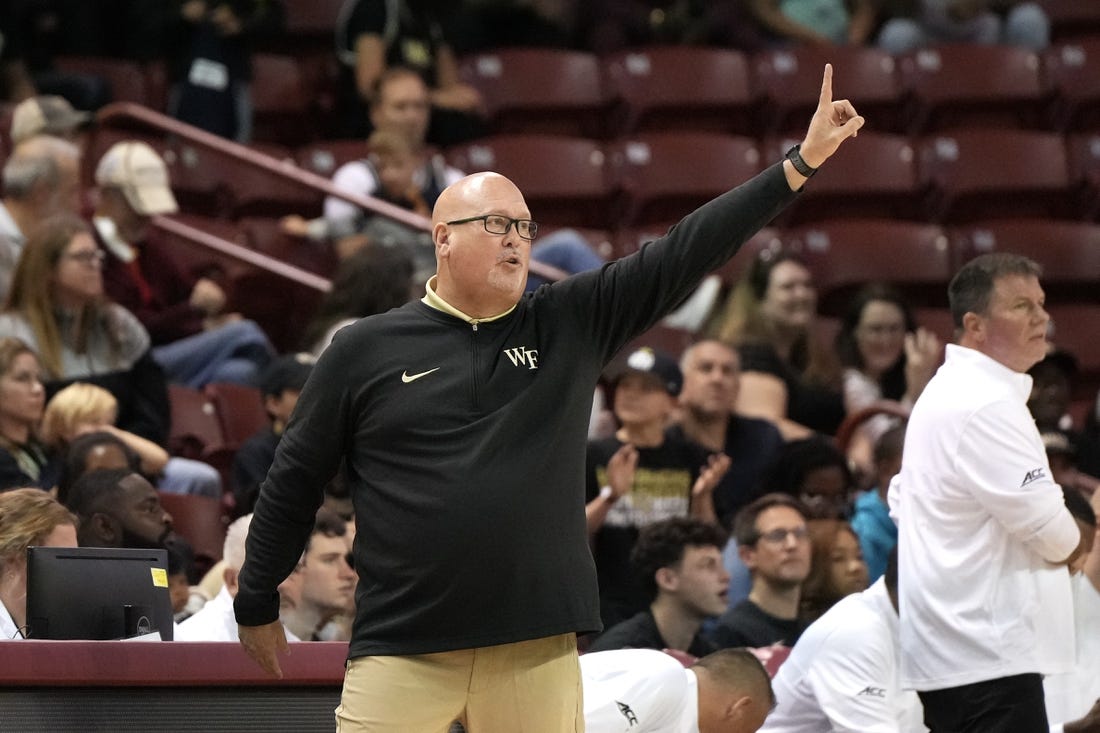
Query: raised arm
x=834 y=121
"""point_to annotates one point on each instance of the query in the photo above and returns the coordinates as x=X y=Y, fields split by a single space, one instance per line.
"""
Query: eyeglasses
x=87 y=257
x=779 y=535
x=497 y=224
x=880 y=330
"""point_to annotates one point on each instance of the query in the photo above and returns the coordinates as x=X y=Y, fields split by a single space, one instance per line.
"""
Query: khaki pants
x=526 y=687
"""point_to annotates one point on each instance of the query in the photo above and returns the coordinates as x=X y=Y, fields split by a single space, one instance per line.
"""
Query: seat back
x=681 y=88
x=540 y=90
x=956 y=85
x=981 y=173
x=666 y=175
x=201 y=521
x=1072 y=70
x=194 y=429
x=240 y=411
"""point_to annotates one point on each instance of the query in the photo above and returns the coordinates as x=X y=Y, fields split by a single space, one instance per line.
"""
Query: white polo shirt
x=842 y=675
x=979 y=523
x=638 y=691
x=214 y=622
x=8 y=630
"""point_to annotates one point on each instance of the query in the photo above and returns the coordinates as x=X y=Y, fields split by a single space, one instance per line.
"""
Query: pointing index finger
x=826 y=87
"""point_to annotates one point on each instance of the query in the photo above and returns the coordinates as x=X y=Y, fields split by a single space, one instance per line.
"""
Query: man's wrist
x=804 y=167
x=608 y=494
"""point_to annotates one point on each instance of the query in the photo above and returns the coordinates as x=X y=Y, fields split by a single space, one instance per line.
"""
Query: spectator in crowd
x=373 y=36
x=1088 y=453
x=886 y=357
x=27 y=517
x=24 y=460
x=481 y=437
x=1052 y=381
x=373 y=280
x=194 y=339
x=323 y=584
x=680 y=562
x=786 y=375
x=647 y=691
x=214 y=621
x=181 y=560
x=837 y=568
x=816 y=22
x=82 y=408
x=774 y=543
x=842 y=675
x=47 y=115
x=93 y=452
x=878 y=534
x=815 y=472
x=57 y=308
x=641 y=476
x=983 y=531
x=712 y=381
x=40 y=179
x=1061 y=447
x=209 y=48
x=987 y=22
x=280 y=385
x=119 y=508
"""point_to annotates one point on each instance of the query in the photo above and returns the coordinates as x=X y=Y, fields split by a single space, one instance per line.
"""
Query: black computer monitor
x=97 y=593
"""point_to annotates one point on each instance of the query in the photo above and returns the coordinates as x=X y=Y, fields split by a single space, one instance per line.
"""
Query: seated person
x=24 y=460
x=644 y=691
x=680 y=560
x=774 y=545
x=816 y=22
x=878 y=534
x=323 y=584
x=215 y=621
x=837 y=569
x=194 y=340
x=280 y=384
x=82 y=408
x=641 y=476
x=93 y=452
x=842 y=675
x=987 y=22
x=57 y=308
x=119 y=508
x=28 y=517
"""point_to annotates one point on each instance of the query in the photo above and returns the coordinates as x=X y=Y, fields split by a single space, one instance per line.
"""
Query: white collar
x=108 y=232
x=964 y=355
x=8 y=630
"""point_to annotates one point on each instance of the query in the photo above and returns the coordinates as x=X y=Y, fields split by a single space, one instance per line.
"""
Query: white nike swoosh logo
x=406 y=377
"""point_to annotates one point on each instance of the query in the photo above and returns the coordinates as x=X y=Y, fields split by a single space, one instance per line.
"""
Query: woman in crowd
x=27 y=517
x=886 y=357
x=786 y=375
x=57 y=307
x=24 y=460
x=837 y=568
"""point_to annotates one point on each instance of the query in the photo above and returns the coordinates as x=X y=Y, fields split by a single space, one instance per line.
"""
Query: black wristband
x=795 y=156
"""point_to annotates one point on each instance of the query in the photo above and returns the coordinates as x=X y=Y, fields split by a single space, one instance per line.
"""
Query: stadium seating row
x=659 y=88
x=656 y=177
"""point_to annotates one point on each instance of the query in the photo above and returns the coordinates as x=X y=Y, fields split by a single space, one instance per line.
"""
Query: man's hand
x=207 y=296
x=711 y=474
x=620 y=470
x=263 y=644
x=833 y=123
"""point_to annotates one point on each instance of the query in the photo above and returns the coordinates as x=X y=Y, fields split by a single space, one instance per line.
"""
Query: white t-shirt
x=8 y=630
x=1070 y=696
x=638 y=691
x=214 y=622
x=842 y=675
x=980 y=520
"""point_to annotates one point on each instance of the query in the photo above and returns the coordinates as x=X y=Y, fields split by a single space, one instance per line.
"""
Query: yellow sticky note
x=160 y=577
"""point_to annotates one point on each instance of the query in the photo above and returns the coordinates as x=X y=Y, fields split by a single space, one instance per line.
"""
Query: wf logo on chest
x=523 y=356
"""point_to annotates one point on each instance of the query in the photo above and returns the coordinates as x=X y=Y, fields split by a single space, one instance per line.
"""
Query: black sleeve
x=147 y=412
x=11 y=475
x=367 y=19
x=759 y=357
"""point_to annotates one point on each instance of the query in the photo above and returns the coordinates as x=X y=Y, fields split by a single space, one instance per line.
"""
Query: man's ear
x=737 y=708
x=441 y=236
x=667 y=579
x=106 y=528
x=974 y=325
x=747 y=553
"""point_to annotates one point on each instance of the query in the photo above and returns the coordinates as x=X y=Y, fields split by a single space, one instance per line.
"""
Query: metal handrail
x=288 y=170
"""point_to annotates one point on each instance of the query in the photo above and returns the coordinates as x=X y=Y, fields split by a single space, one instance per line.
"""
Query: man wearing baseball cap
x=640 y=476
x=195 y=341
x=46 y=115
